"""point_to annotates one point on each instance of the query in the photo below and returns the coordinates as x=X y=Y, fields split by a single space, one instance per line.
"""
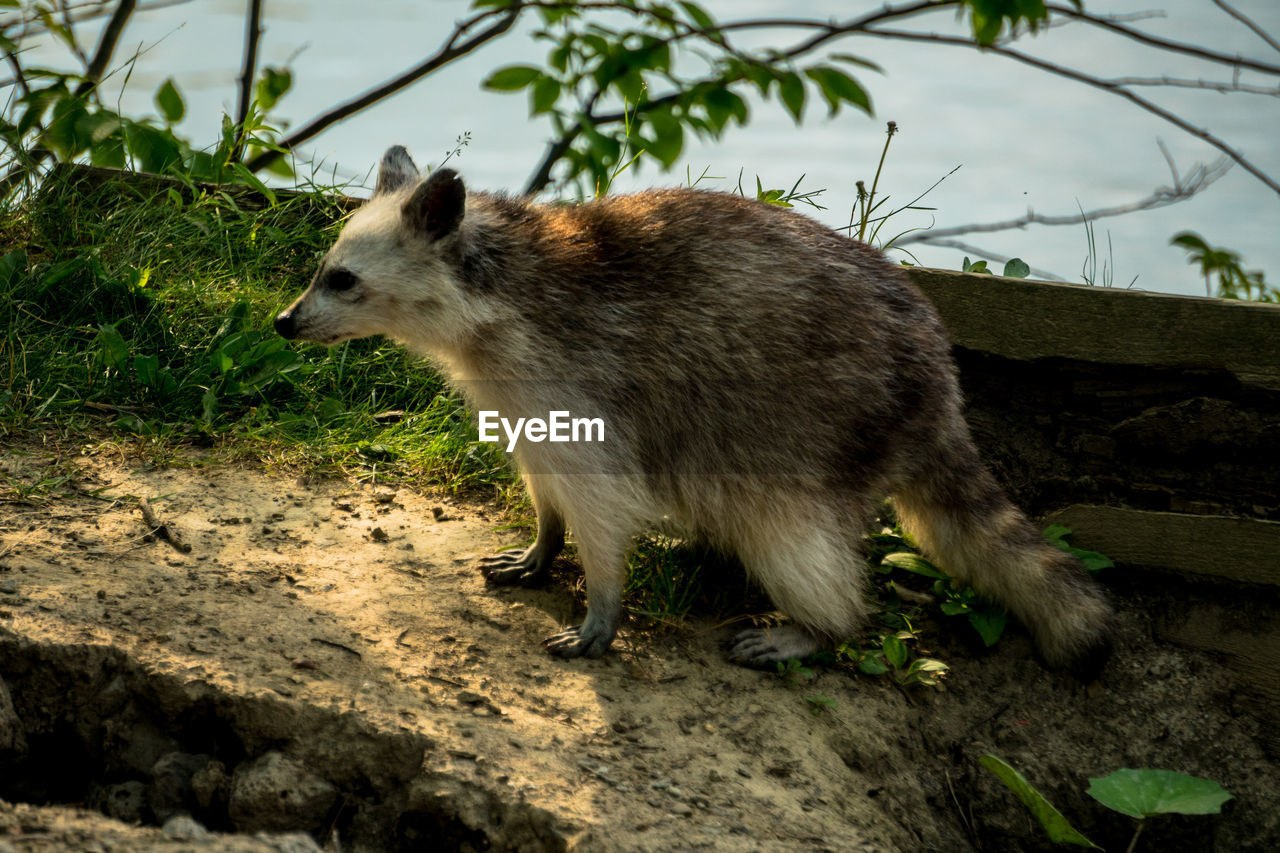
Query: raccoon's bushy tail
x=962 y=519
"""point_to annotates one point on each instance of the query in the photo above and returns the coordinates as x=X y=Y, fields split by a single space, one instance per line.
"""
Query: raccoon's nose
x=286 y=326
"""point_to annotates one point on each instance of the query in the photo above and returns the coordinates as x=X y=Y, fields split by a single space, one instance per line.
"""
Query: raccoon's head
x=390 y=272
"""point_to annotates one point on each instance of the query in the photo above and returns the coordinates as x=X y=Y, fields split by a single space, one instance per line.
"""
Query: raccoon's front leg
x=604 y=566
x=528 y=567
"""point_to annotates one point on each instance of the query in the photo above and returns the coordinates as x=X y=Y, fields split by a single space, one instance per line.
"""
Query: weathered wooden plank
x=1026 y=320
x=1238 y=549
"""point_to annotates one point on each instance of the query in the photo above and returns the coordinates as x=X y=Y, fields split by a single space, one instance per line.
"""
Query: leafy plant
x=1013 y=268
x=954 y=598
x=819 y=704
x=1234 y=281
x=1094 y=562
x=1140 y=794
x=1054 y=823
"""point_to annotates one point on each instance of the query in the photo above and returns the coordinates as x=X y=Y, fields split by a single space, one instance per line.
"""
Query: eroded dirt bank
x=326 y=659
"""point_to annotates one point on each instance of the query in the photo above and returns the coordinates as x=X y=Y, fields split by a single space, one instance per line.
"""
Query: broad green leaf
x=699 y=16
x=872 y=665
x=1143 y=793
x=512 y=77
x=544 y=95
x=989 y=625
x=791 y=91
x=1017 y=268
x=907 y=561
x=895 y=651
x=112 y=348
x=147 y=369
x=12 y=265
x=272 y=86
x=1057 y=827
x=169 y=102
x=838 y=87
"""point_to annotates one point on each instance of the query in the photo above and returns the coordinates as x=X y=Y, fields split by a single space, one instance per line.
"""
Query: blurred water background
x=1023 y=138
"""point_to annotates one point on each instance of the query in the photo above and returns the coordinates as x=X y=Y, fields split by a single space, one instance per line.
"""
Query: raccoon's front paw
x=762 y=647
x=515 y=568
x=578 y=641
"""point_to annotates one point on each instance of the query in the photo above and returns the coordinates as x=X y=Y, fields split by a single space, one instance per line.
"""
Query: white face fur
x=386 y=274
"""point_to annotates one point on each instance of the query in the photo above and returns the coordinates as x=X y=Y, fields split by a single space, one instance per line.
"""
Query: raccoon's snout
x=286 y=325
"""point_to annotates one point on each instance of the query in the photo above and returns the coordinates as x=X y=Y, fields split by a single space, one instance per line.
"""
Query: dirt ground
x=325 y=659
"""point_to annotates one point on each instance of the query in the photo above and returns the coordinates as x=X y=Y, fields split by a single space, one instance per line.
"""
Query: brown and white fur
x=764 y=382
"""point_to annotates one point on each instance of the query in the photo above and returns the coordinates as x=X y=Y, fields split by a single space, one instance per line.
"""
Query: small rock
x=182 y=827
x=9 y=586
x=384 y=497
x=126 y=801
x=277 y=794
x=293 y=842
x=379 y=535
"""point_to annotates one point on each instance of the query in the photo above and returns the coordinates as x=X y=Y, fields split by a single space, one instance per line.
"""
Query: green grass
x=139 y=314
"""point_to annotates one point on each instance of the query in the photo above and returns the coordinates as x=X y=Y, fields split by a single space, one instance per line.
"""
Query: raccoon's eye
x=339 y=280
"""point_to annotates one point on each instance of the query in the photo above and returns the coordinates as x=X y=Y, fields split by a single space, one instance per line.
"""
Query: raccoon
x=764 y=383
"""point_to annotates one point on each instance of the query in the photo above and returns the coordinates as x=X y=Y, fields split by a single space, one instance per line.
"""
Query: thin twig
x=980 y=252
x=450 y=51
x=1214 y=85
x=1081 y=77
x=1233 y=61
x=162 y=529
x=1248 y=22
x=68 y=24
x=252 y=32
x=1183 y=189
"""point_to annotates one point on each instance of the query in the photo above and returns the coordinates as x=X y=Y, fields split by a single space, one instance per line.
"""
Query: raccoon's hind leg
x=530 y=566
x=812 y=574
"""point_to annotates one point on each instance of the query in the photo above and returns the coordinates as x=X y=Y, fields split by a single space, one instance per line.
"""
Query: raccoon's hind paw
x=515 y=568
x=578 y=641
x=761 y=647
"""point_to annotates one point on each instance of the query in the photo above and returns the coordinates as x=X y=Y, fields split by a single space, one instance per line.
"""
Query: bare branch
x=106 y=46
x=450 y=51
x=19 y=78
x=69 y=25
x=1166 y=44
x=1097 y=83
x=1244 y=19
x=1212 y=85
x=252 y=32
x=1183 y=188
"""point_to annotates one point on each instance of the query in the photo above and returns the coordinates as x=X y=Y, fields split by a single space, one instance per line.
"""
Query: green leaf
x=791 y=91
x=895 y=651
x=1017 y=268
x=872 y=664
x=12 y=265
x=1143 y=793
x=838 y=88
x=512 y=77
x=272 y=86
x=699 y=16
x=907 y=561
x=544 y=95
x=113 y=351
x=989 y=625
x=1057 y=827
x=147 y=369
x=169 y=102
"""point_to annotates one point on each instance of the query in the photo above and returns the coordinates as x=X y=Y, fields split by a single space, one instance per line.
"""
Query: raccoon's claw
x=575 y=642
x=761 y=647
x=513 y=568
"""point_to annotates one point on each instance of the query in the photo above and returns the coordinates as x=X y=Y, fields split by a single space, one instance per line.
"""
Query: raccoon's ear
x=395 y=171
x=436 y=206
